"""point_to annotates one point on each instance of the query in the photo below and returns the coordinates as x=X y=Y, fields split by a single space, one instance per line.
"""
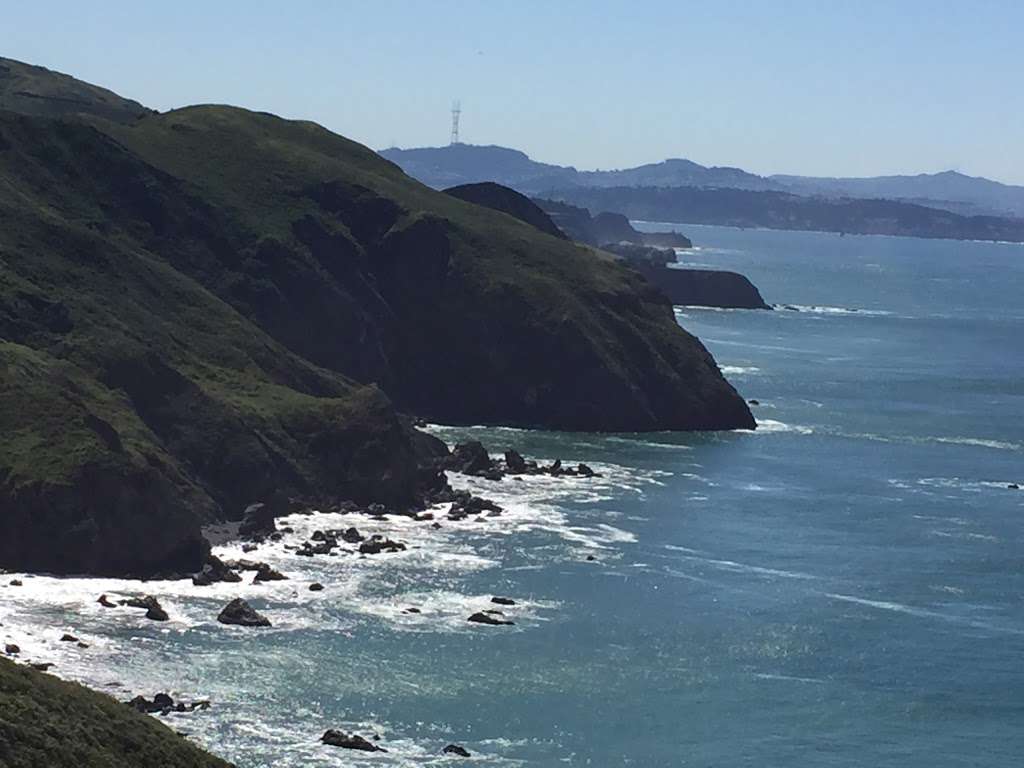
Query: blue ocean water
x=843 y=587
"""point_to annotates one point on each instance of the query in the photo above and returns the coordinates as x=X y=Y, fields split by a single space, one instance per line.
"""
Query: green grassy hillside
x=461 y=313
x=201 y=307
x=48 y=722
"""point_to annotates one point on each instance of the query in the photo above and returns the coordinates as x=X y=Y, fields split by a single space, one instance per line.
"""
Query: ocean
x=842 y=587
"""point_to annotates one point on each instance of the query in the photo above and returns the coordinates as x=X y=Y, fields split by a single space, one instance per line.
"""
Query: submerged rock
x=455 y=749
x=316 y=586
x=503 y=601
x=105 y=602
x=240 y=613
x=337 y=738
x=11 y=649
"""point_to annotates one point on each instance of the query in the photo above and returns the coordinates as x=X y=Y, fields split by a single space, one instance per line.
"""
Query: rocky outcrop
x=335 y=738
x=240 y=613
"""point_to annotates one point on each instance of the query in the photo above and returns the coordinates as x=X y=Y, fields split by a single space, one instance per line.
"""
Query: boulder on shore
x=240 y=613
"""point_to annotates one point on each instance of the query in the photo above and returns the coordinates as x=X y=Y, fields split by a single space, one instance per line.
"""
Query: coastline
x=45 y=608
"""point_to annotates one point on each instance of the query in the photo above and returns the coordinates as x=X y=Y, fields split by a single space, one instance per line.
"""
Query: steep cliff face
x=459 y=313
x=201 y=307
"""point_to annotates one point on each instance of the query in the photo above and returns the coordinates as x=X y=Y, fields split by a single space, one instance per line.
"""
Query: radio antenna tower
x=456 y=111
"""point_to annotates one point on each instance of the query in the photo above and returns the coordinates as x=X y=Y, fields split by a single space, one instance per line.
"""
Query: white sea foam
x=648 y=443
x=739 y=370
x=820 y=310
x=979 y=442
x=924 y=613
x=771 y=426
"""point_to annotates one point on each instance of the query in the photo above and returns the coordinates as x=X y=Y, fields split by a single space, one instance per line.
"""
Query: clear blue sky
x=832 y=87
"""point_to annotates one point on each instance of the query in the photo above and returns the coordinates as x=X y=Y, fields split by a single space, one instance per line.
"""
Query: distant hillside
x=675 y=173
x=33 y=90
x=507 y=200
x=949 y=192
x=780 y=210
x=467 y=164
x=949 y=189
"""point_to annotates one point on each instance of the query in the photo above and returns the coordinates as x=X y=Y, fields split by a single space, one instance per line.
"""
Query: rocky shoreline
x=260 y=527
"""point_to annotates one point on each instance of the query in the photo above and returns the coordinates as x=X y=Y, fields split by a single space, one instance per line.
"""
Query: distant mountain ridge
x=466 y=163
x=957 y=191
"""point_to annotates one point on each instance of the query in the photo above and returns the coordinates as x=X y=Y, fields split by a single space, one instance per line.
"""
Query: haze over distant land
x=823 y=89
x=945 y=205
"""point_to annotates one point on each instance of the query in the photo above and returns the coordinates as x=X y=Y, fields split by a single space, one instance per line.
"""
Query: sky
x=832 y=87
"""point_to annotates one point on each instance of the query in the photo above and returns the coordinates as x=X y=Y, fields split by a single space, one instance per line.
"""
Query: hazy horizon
x=866 y=91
